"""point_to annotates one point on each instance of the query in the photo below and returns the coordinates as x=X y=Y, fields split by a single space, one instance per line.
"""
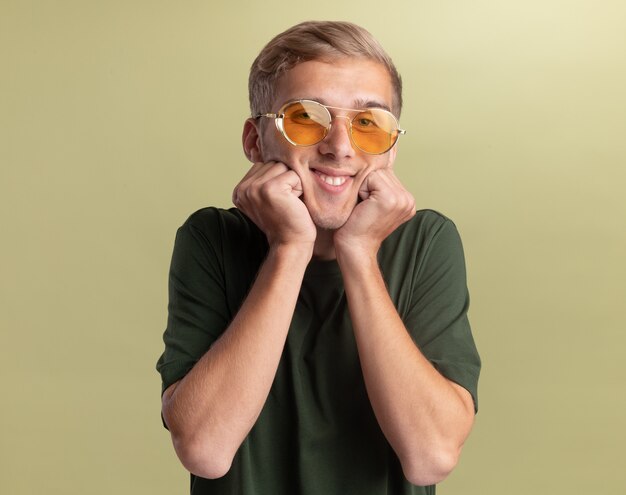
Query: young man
x=317 y=340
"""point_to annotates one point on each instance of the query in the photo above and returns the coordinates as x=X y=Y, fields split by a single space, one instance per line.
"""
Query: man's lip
x=334 y=182
x=332 y=172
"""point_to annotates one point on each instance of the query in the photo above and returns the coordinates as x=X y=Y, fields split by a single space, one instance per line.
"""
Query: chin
x=329 y=222
x=330 y=215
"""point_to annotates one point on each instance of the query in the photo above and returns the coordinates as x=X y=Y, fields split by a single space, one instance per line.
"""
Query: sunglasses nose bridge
x=341 y=135
x=343 y=115
x=348 y=124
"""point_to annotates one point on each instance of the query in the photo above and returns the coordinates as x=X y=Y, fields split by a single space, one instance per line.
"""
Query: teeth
x=333 y=181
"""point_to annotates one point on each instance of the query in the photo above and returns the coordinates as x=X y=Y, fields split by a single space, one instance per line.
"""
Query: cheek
x=391 y=158
x=276 y=148
x=267 y=142
x=379 y=163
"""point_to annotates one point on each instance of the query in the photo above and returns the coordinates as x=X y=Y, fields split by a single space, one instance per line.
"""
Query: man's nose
x=338 y=142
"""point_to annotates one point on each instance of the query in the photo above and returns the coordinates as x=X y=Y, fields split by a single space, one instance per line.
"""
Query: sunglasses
x=307 y=122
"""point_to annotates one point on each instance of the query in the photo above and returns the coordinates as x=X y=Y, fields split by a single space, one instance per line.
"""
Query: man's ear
x=251 y=141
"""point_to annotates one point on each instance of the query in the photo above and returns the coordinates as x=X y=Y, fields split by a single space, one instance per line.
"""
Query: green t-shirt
x=317 y=433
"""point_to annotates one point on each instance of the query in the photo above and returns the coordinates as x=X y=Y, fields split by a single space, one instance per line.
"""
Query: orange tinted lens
x=305 y=123
x=374 y=131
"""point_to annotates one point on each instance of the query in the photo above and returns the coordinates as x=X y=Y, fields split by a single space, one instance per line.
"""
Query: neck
x=324 y=248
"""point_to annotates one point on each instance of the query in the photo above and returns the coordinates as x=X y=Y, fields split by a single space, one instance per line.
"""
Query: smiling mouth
x=332 y=180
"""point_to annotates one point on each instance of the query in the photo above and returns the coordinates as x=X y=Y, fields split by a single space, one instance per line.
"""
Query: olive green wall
x=120 y=118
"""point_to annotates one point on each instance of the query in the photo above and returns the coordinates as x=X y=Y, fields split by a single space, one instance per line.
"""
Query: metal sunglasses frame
x=278 y=120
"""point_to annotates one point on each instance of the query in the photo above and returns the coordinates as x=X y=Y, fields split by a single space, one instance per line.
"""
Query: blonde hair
x=314 y=40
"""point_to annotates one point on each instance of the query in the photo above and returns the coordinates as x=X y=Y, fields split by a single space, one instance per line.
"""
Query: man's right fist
x=269 y=194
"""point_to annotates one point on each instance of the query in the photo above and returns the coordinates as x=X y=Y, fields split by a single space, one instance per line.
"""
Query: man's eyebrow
x=358 y=104
x=371 y=104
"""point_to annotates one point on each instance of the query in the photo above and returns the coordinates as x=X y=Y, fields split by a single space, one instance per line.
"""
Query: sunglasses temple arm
x=268 y=115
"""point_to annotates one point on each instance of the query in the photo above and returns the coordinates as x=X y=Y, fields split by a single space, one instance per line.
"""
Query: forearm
x=425 y=417
x=212 y=409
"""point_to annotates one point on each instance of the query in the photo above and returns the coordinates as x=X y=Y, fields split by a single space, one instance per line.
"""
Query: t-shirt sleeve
x=437 y=315
x=198 y=310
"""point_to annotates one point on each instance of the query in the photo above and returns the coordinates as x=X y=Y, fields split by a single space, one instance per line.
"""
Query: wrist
x=360 y=257
x=291 y=253
x=355 y=247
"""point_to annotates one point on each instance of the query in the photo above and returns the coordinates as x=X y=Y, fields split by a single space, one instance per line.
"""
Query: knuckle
x=393 y=201
x=251 y=194
x=265 y=190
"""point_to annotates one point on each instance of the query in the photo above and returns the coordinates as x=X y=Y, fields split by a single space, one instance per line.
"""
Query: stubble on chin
x=330 y=220
x=326 y=223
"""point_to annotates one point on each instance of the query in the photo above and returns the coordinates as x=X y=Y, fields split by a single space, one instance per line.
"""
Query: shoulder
x=211 y=219
x=222 y=226
x=429 y=220
x=428 y=239
x=224 y=236
x=421 y=230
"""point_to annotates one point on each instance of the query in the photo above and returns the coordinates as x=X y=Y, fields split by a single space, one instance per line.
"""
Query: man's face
x=331 y=171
